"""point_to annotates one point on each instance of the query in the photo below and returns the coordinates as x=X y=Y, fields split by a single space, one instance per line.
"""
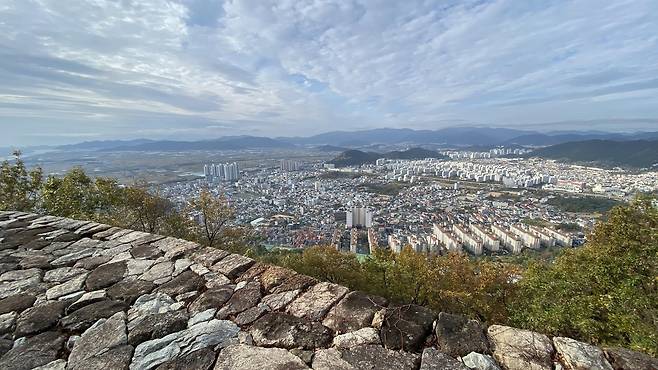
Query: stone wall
x=82 y=295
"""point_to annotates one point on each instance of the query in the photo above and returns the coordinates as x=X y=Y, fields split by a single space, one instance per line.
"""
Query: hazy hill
x=413 y=153
x=633 y=153
x=358 y=157
x=104 y=144
x=224 y=143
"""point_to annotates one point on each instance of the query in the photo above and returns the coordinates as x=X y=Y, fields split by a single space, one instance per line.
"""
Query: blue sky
x=85 y=70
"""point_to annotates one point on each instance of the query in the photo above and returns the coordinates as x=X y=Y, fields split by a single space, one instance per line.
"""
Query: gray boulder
x=35 y=351
x=245 y=296
x=353 y=312
x=202 y=335
x=211 y=298
x=287 y=331
x=316 y=302
x=157 y=326
x=128 y=290
x=16 y=303
x=518 y=349
x=197 y=360
x=435 y=360
x=625 y=359
x=106 y=275
x=580 y=356
x=245 y=357
x=86 y=316
x=458 y=336
x=404 y=327
x=364 y=357
x=39 y=318
x=105 y=342
x=479 y=361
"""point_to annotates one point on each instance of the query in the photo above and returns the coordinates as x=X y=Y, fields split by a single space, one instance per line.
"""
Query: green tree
x=215 y=213
x=327 y=264
x=19 y=187
x=76 y=195
x=605 y=292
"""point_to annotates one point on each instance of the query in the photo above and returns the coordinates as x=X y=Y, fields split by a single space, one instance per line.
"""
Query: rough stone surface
x=357 y=338
x=435 y=360
x=245 y=357
x=162 y=270
x=278 y=301
x=105 y=275
x=202 y=335
x=157 y=326
x=243 y=298
x=287 y=331
x=622 y=359
x=353 y=312
x=86 y=316
x=208 y=256
x=405 y=327
x=39 y=318
x=128 y=290
x=63 y=274
x=16 y=303
x=35 y=351
x=87 y=299
x=294 y=282
x=197 y=360
x=316 y=302
x=66 y=288
x=7 y=322
x=211 y=298
x=250 y=315
x=479 y=361
x=233 y=265
x=364 y=357
x=53 y=365
x=185 y=282
x=577 y=355
x=105 y=335
x=520 y=349
x=457 y=336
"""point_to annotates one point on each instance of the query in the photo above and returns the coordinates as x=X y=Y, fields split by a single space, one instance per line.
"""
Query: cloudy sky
x=79 y=70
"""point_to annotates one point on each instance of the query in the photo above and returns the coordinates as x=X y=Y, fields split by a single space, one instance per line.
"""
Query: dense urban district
x=481 y=203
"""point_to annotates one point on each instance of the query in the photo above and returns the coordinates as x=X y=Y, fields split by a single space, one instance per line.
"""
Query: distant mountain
x=413 y=153
x=354 y=158
x=329 y=148
x=103 y=144
x=357 y=157
x=224 y=143
x=632 y=153
x=459 y=137
x=366 y=140
x=446 y=136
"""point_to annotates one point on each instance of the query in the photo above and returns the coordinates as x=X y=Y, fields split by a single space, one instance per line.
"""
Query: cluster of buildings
x=221 y=172
x=492 y=153
x=290 y=165
x=525 y=173
x=479 y=206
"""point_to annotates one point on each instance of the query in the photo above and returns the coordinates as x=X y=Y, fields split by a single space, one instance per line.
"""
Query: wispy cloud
x=303 y=66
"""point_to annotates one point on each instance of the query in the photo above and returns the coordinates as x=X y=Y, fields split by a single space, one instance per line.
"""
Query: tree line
x=605 y=292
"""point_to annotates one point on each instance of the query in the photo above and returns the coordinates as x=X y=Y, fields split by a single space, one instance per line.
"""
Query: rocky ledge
x=82 y=295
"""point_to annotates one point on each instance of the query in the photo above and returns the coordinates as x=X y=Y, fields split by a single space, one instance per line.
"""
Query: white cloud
x=302 y=66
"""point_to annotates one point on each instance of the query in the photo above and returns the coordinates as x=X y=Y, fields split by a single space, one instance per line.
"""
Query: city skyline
x=192 y=69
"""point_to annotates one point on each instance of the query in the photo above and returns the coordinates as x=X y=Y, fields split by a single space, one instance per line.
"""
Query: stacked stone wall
x=82 y=295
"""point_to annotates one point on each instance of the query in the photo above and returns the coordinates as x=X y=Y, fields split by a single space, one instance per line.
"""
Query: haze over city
x=193 y=69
